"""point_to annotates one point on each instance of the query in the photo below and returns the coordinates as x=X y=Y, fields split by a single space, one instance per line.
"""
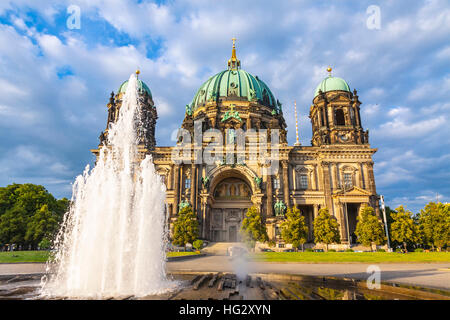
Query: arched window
x=339 y=116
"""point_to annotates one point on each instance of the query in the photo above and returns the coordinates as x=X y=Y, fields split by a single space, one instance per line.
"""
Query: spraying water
x=112 y=241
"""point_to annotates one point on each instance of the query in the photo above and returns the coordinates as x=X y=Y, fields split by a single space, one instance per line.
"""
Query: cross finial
x=234 y=63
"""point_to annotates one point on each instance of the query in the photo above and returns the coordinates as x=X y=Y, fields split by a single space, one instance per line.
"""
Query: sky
x=56 y=76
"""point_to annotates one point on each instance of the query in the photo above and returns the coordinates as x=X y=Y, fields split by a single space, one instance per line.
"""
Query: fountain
x=112 y=240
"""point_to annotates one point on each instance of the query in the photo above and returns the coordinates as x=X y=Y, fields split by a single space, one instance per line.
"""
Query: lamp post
x=385 y=222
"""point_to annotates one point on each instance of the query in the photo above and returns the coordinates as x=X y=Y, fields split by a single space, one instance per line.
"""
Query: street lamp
x=385 y=222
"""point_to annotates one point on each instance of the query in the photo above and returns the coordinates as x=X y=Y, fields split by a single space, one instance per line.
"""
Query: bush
x=418 y=250
x=332 y=250
x=381 y=250
x=309 y=250
x=349 y=250
x=398 y=250
x=198 y=244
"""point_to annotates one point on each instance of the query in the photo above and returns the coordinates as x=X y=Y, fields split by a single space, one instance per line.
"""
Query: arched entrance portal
x=231 y=197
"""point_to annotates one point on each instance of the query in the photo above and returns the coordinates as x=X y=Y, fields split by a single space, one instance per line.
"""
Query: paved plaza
x=433 y=275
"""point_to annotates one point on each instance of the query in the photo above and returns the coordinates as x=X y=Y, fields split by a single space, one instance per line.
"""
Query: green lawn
x=42 y=256
x=342 y=257
x=179 y=254
x=23 y=256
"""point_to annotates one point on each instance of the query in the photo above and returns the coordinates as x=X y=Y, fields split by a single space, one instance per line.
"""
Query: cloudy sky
x=55 y=81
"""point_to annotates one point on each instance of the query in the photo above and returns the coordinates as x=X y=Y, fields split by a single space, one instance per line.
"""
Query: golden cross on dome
x=234 y=63
x=232 y=107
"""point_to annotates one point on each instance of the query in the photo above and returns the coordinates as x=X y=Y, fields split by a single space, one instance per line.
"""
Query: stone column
x=316 y=210
x=203 y=206
x=284 y=164
x=269 y=194
x=314 y=178
x=355 y=109
x=176 y=190
x=334 y=175
x=359 y=180
x=371 y=178
x=193 y=186
x=343 y=222
x=327 y=187
x=366 y=176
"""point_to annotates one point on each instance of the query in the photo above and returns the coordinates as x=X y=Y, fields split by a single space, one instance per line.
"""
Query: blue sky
x=55 y=82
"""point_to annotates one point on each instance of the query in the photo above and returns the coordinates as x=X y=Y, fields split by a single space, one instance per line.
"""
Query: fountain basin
x=255 y=286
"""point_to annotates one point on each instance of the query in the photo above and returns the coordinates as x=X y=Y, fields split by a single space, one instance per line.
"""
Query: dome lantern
x=234 y=63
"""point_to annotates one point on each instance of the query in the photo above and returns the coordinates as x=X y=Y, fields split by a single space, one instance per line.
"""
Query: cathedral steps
x=220 y=248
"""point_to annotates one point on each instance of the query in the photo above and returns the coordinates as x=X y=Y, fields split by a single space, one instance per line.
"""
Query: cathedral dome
x=142 y=87
x=234 y=82
x=331 y=84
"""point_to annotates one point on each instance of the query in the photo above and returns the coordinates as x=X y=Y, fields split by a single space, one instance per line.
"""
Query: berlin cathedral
x=335 y=172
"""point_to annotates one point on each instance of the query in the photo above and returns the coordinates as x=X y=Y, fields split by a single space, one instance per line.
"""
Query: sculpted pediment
x=354 y=191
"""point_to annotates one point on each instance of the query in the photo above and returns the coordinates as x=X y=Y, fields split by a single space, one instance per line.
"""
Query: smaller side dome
x=142 y=87
x=332 y=84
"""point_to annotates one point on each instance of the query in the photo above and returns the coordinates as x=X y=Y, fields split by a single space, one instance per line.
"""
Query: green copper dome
x=232 y=83
x=332 y=83
x=141 y=87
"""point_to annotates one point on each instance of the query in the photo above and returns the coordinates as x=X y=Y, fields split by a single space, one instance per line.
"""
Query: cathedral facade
x=336 y=171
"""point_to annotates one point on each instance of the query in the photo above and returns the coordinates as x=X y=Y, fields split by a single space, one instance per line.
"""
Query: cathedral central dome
x=234 y=82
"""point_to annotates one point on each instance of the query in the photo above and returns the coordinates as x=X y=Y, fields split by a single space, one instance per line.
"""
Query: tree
x=41 y=225
x=369 y=229
x=253 y=229
x=185 y=228
x=403 y=228
x=13 y=226
x=294 y=229
x=19 y=203
x=45 y=244
x=326 y=228
x=434 y=222
x=197 y=244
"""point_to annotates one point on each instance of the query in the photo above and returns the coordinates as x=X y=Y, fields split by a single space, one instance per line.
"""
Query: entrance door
x=232 y=236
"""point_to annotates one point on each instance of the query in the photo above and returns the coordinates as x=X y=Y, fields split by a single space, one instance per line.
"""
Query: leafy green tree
x=403 y=228
x=197 y=244
x=185 y=228
x=326 y=228
x=369 y=229
x=41 y=225
x=13 y=226
x=19 y=203
x=434 y=222
x=294 y=229
x=253 y=229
